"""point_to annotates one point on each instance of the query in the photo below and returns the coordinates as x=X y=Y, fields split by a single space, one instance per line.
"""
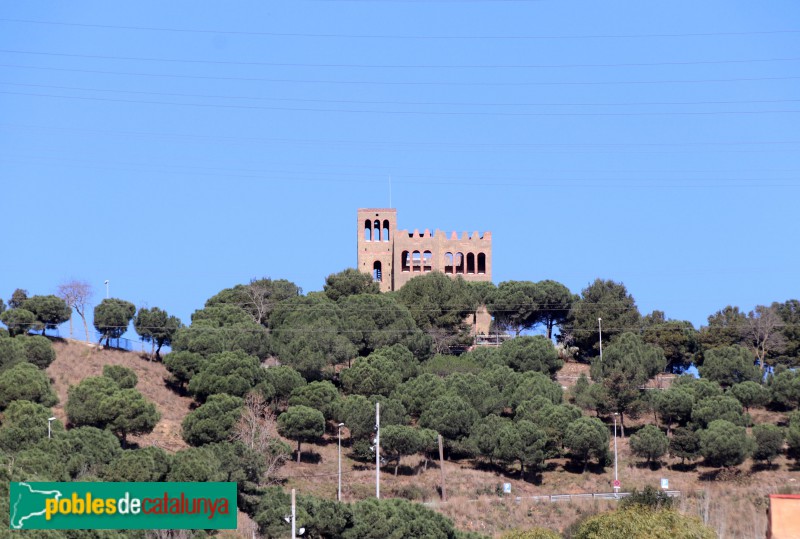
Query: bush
x=648 y=497
x=643 y=523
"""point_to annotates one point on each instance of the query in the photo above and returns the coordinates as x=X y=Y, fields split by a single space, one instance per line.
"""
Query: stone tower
x=393 y=257
x=376 y=230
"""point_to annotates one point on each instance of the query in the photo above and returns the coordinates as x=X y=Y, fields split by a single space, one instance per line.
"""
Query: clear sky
x=178 y=148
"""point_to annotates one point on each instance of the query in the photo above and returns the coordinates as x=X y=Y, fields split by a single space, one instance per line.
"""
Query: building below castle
x=393 y=256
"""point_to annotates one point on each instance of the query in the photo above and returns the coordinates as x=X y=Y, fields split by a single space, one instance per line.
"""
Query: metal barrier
x=552 y=498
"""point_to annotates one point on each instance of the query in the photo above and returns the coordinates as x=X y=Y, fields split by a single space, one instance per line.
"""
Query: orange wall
x=784 y=517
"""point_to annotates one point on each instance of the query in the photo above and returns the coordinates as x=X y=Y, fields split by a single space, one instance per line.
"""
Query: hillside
x=734 y=507
x=75 y=360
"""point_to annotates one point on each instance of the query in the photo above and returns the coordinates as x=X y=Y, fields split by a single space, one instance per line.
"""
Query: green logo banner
x=122 y=506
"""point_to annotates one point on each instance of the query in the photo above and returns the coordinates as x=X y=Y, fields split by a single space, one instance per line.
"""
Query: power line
x=529 y=176
x=425 y=103
x=408 y=179
x=397 y=83
x=399 y=36
x=424 y=144
x=411 y=112
x=398 y=66
x=498 y=181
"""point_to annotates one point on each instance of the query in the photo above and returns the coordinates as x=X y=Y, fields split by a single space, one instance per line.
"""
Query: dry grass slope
x=75 y=360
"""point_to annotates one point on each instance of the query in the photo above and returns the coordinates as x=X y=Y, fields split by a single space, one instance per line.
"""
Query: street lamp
x=600 y=326
x=49 y=429
x=616 y=476
x=106 y=288
x=339 y=498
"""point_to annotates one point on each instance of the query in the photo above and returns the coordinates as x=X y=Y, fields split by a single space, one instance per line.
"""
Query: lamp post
x=600 y=326
x=49 y=428
x=378 y=450
x=339 y=492
x=616 y=476
x=106 y=288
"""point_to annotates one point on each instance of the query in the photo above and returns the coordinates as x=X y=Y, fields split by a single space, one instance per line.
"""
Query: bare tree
x=258 y=300
x=258 y=430
x=762 y=332
x=77 y=295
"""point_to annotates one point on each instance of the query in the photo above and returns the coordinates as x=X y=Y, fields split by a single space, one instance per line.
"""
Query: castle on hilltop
x=394 y=256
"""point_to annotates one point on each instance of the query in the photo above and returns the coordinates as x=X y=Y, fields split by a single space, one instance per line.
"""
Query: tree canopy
x=439 y=304
x=302 y=424
x=156 y=326
x=112 y=317
x=609 y=301
x=234 y=373
x=729 y=365
x=349 y=282
x=309 y=334
x=212 y=421
x=24 y=381
x=50 y=311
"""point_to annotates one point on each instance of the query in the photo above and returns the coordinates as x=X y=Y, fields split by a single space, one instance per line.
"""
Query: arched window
x=376 y=271
x=367 y=230
x=427 y=261
x=448 y=262
x=416 y=261
x=460 y=263
x=405 y=261
x=470 y=263
x=481 y=263
x=376 y=231
x=386 y=230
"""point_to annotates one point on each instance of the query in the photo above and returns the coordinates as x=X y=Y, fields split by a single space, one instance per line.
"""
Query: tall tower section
x=376 y=229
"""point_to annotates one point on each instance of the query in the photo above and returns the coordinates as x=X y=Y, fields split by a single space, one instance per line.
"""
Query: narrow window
x=460 y=263
x=470 y=263
x=376 y=232
x=448 y=262
x=416 y=261
x=376 y=271
x=405 y=261
x=386 y=230
x=481 y=263
x=367 y=230
x=427 y=261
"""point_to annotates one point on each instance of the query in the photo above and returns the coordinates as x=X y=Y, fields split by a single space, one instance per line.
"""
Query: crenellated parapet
x=394 y=256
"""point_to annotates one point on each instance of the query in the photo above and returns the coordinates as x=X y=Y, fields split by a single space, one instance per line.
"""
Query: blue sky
x=178 y=148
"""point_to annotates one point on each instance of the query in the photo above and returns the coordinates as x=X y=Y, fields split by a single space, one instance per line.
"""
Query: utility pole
x=339 y=492
x=600 y=325
x=378 y=450
x=441 y=467
x=616 y=476
x=294 y=524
